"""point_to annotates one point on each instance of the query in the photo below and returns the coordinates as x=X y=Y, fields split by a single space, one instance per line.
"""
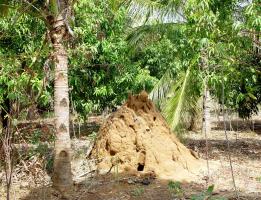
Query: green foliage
x=3 y=7
x=44 y=152
x=138 y=191
x=92 y=136
x=54 y=7
x=110 y=58
x=204 y=195
x=23 y=52
x=221 y=35
x=258 y=179
x=158 y=57
x=100 y=60
x=208 y=194
x=177 y=191
x=183 y=101
x=49 y=163
x=175 y=188
x=36 y=137
x=240 y=60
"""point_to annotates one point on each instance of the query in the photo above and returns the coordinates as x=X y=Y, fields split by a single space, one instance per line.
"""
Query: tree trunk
x=1 y=121
x=206 y=112
x=206 y=126
x=62 y=175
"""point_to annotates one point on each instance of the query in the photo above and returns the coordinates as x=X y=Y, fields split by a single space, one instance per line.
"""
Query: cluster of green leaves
x=166 y=54
x=137 y=192
x=101 y=71
x=237 y=61
x=208 y=194
x=23 y=52
x=213 y=45
x=177 y=191
x=233 y=63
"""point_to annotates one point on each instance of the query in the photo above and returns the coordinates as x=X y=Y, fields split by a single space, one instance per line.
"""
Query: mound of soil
x=136 y=139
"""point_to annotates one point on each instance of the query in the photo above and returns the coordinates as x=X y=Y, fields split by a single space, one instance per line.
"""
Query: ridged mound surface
x=136 y=138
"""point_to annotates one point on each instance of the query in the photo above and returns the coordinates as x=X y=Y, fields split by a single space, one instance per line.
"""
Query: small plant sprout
x=175 y=189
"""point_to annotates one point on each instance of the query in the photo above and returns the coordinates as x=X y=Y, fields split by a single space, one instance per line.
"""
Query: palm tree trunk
x=62 y=175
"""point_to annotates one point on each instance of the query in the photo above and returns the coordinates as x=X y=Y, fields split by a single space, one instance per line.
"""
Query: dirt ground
x=245 y=148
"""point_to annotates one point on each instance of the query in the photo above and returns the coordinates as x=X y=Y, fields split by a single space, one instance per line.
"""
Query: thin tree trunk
x=206 y=121
x=62 y=175
x=206 y=96
x=7 y=151
x=8 y=161
x=206 y=105
x=1 y=121
x=206 y=111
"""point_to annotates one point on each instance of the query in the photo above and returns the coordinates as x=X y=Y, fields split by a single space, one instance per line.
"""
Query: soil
x=246 y=162
x=34 y=183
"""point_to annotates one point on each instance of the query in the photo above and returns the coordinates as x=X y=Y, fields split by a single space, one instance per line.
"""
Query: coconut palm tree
x=55 y=14
x=177 y=94
x=207 y=26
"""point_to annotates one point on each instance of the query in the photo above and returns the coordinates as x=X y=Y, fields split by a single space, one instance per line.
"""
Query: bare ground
x=245 y=148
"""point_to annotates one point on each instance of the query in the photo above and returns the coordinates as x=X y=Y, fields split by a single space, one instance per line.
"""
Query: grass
x=138 y=191
x=258 y=179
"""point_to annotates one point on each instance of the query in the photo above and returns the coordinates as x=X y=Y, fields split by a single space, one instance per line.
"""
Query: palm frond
x=21 y=8
x=150 y=31
x=173 y=107
x=162 y=88
x=35 y=9
x=183 y=100
x=145 y=10
x=4 y=7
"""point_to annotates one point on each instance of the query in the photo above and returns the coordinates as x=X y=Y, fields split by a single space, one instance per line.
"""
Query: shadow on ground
x=250 y=148
x=239 y=125
x=125 y=187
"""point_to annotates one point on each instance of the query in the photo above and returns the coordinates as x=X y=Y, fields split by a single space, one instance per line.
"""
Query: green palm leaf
x=143 y=10
x=150 y=32
x=162 y=88
x=183 y=101
x=4 y=7
x=172 y=109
